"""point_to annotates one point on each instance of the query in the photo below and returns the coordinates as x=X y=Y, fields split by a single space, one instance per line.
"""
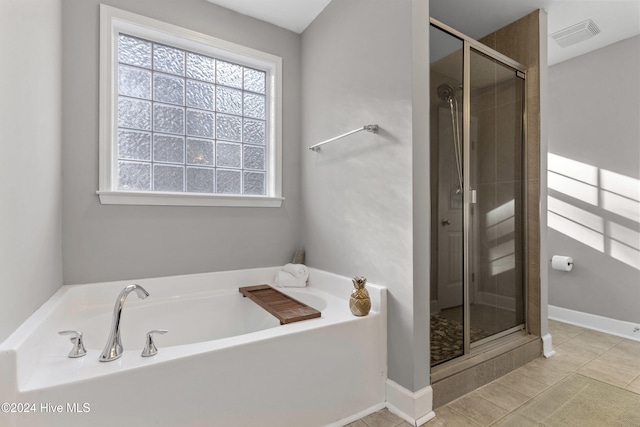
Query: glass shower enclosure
x=478 y=195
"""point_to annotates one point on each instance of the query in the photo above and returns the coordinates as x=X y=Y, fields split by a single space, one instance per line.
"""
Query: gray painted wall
x=357 y=70
x=118 y=242
x=594 y=106
x=30 y=214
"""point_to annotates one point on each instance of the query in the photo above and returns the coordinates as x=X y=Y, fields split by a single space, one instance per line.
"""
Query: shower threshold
x=482 y=354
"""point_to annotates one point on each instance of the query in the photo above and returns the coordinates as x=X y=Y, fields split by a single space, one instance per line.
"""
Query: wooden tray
x=285 y=308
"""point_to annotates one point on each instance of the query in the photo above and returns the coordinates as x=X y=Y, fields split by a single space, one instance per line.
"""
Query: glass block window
x=189 y=122
x=186 y=118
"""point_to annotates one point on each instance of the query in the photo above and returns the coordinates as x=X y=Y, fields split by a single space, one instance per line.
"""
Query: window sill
x=186 y=199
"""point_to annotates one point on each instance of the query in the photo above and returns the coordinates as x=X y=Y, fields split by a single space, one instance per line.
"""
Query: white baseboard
x=356 y=417
x=415 y=408
x=607 y=325
x=547 y=346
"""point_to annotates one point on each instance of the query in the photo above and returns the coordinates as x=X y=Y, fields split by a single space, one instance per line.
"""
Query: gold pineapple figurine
x=360 y=302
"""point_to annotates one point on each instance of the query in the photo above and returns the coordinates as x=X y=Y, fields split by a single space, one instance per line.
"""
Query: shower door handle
x=445 y=222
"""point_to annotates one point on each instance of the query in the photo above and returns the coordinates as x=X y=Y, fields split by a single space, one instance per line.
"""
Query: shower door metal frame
x=468 y=194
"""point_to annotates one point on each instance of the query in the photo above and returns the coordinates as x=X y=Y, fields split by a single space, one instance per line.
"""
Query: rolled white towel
x=288 y=280
x=299 y=271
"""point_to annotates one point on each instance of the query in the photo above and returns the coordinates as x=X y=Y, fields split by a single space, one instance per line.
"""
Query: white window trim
x=114 y=21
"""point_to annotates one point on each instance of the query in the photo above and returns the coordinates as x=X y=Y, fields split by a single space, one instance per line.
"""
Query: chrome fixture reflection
x=78 y=345
x=113 y=348
x=150 y=348
x=448 y=93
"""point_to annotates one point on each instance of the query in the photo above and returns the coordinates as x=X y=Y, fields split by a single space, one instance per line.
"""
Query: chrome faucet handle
x=78 y=343
x=150 y=348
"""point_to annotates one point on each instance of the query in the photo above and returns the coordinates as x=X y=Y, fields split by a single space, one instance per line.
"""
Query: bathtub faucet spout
x=113 y=348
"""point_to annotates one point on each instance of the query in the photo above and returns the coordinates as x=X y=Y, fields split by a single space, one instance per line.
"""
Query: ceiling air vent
x=575 y=33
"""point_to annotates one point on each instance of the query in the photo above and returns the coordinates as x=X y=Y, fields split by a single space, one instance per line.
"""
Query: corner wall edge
x=415 y=408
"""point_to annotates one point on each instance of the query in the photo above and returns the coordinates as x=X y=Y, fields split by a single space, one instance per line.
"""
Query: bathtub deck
x=283 y=307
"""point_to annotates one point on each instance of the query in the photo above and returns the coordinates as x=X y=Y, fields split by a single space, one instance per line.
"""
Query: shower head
x=446 y=92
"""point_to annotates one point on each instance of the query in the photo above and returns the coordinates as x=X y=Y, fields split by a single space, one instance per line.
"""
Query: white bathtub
x=225 y=361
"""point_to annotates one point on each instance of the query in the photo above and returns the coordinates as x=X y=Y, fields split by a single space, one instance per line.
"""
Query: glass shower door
x=495 y=230
x=478 y=186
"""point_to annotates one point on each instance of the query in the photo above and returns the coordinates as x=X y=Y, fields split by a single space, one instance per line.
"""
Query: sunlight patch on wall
x=574 y=188
x=611 y=194
x=625 y=254
x=573 y=178
x=579 y=171
x=620 y=194
x=576 y=214
x=576 y=231
x=624 y=235
x=623 y=185
x=624 y=244
x=620 y=205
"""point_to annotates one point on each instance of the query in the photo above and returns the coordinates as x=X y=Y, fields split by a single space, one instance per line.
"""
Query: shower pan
x=478 y=202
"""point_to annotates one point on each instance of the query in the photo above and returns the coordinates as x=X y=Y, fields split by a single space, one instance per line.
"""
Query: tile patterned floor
x=592 y=381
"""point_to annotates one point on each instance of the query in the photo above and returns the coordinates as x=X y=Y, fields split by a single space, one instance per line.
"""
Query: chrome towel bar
x=368 y=128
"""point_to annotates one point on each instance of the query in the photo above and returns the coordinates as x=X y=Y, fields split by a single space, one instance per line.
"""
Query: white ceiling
x=617 y=19
x=294 y=15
